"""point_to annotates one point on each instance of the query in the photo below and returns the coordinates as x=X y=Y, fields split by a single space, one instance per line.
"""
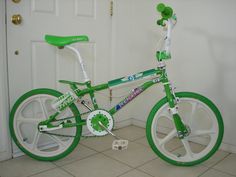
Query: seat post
x=76 y=51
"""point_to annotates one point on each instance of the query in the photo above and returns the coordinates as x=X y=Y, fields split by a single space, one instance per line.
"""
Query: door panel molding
x=5 y=145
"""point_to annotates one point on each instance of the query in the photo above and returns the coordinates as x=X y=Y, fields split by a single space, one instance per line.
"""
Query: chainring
x=104 y=118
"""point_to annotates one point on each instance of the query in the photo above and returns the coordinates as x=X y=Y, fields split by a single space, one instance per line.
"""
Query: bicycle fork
x=182 y=130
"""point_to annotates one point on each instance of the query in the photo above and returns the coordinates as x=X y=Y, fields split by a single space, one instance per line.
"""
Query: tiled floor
x=94 y=158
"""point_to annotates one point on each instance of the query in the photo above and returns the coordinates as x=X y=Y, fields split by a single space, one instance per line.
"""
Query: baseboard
x=228 y=147
x=138 y=123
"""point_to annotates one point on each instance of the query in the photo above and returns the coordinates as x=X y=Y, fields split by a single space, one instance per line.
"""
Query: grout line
x=147 y=162
x=125 y=172
x=214 y=164
x=66 y=171
x=204 y=172
x=223 y=172
x=221 y=160
x=42 y=171
x=117 y=160
x=95 y=149
x=132 y=168
x=77 y=159
x=143 y=172
x=212 y=167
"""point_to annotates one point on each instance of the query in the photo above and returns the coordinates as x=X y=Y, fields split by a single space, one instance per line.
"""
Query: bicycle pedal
x=120 y=144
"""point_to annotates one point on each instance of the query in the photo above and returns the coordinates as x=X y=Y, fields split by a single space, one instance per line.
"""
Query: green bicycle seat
x=61 y=41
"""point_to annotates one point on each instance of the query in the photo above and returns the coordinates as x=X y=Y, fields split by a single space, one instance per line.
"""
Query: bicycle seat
x=61 y=41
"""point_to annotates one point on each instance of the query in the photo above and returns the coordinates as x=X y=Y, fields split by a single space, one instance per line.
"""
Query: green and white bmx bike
x=46 y=124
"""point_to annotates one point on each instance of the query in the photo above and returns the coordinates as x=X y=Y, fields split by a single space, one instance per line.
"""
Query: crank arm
x=108 y=131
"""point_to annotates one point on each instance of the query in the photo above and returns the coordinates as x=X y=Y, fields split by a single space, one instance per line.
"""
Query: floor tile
x=135 y=173
x=80 y=152
x=215 y=173
x=227 y=165
x=131 y=133
x=142 y=141
x=135 y=155
x=56 y=172
x=23 y=166
x=159 y=168
x=96 y=166
x=98 y=143
x=219 y=155
x=172 y=145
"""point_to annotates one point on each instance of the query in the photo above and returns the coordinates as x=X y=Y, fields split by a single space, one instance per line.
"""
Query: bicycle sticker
x=133 y=94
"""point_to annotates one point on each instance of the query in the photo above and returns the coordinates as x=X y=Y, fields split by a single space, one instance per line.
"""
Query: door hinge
x=111 y=8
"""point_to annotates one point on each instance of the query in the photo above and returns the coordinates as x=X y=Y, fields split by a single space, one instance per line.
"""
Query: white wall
x=203 y=52
x=5 y=151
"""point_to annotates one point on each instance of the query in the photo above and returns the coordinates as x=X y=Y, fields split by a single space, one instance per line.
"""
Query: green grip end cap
x=160 y=7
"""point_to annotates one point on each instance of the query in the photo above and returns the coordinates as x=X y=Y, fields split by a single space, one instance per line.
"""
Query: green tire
x=73 y=109
x=200 y=98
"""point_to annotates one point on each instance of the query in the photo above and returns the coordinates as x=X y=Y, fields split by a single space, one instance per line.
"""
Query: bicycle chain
x=55 y=134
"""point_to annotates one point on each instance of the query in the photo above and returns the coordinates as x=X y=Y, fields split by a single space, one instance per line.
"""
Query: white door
x=32 y=63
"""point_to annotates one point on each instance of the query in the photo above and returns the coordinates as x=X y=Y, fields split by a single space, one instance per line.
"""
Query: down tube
x=135 y=92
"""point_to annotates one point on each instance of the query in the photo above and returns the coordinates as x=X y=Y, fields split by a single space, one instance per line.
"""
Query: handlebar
x=167 y=21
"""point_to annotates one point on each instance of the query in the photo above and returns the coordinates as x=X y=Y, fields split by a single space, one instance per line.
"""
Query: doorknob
x=16 y=1
x=16 y=19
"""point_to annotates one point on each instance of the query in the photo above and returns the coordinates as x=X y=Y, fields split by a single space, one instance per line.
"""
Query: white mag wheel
x=203 y=121
x=32 y=108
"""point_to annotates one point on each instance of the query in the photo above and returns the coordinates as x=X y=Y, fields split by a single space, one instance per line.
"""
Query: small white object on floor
x=120 y=144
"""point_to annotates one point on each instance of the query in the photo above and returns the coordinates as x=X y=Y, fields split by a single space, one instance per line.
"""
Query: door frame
x=5 y=150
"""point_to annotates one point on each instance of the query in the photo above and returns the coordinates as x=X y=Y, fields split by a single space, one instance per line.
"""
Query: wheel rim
x=194 y=113
x=27 y=116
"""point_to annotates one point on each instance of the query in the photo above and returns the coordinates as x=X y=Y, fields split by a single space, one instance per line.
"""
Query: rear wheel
x=202 y=118
x=34 y=107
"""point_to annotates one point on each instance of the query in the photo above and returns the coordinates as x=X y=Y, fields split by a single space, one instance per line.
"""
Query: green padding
x=71 y=82
x=132 y=77
x=61 y=41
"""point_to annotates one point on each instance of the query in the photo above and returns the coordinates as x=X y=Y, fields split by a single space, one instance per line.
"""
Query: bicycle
x=56 y=123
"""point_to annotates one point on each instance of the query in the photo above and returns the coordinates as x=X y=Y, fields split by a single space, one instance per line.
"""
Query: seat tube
x=76 y=51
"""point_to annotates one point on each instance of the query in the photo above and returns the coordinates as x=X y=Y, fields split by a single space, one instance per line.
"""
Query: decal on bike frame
x=133 y=94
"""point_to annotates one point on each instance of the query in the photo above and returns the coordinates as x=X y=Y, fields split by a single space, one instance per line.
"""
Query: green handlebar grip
x=166 y=12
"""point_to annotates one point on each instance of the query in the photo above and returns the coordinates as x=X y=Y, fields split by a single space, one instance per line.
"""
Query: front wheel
x=33 y=108
x=203 y=120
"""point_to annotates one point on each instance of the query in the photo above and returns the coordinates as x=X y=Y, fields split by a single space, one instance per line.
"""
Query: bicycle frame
x=153 y=76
